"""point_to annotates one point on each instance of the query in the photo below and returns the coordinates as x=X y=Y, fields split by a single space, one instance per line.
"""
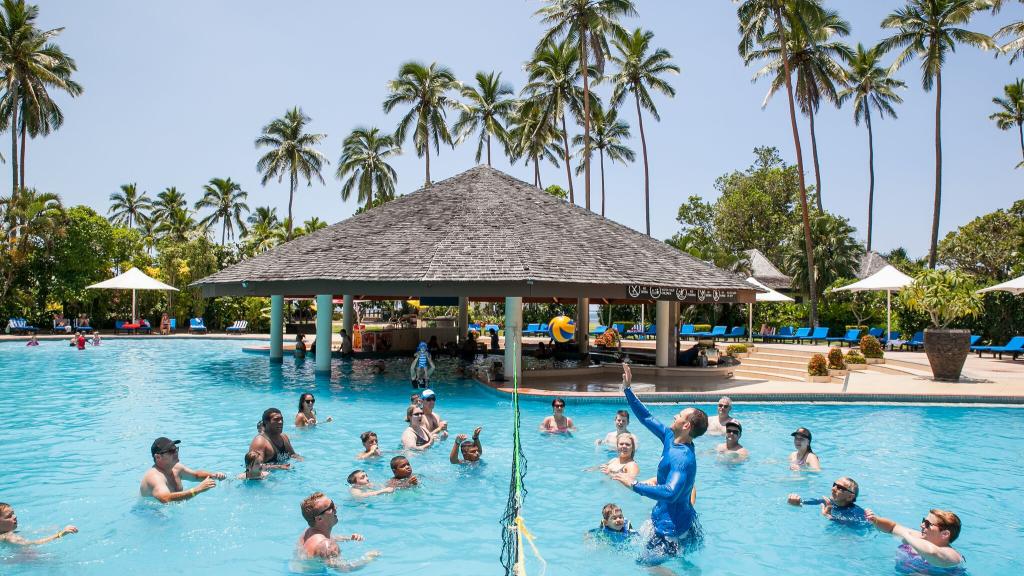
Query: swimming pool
x=77 y=426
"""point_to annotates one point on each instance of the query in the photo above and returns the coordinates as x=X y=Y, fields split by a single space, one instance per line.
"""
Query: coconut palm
x=426 y=90
x=552 y=88
x=1012 y=110
x=836 y=253
x=587 y=25
x=1014 y=30
x=869 y=84
x=292 y=152
x=486 y=109
x=928 y=29
x=30 y=218
x=149 y=234
x=177 y=224
x=759 y=22
x=228 y=202
x=608 y=137
x=639 y=71
x=166 y=202
x=815 y=56
x=364 y=162
x=534 y=138
x=313 y=224
x=128 y=207
x=263 y=215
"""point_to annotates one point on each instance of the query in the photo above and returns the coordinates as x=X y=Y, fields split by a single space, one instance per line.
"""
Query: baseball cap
x=428 y=393
x=802 y=432
x=162 y=444
x=734 y=424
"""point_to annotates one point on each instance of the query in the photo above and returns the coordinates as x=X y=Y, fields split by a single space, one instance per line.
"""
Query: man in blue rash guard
x=676 y=528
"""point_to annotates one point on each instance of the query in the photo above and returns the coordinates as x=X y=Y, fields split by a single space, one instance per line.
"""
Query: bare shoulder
x=258 y=442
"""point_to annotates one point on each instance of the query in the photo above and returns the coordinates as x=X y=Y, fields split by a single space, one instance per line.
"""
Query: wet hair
x=4 y=507
x=632 y=441
x=251 y=457
x=268 y=413
x=352 y=476
x=308 y=507
x=397 y=460
x=303 y=397
x=408 y=412
x=947 y=521
x=698 y=423
x=624 y=414
x=607 y=510
x=367 y=435
x=854 y=485
x=557 y=400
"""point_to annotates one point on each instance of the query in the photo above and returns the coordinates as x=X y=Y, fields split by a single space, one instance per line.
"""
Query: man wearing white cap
x=163 y=480
x=432 y=420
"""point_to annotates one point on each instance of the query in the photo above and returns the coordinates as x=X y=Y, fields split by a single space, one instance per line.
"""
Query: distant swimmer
x=306 y=416
x=359 y=485
x=929 y=550
x=472 y=450
x=840 y=506
x=317 y=542
x=731 y=449
x=371 y=449
x=803 y=456
x=401 y=470
x=9 y=523
x=33 y=340
x=716 y=426
x=623 y=463
x=96 y=339
x=300 y=345
x=614 y=528
x=422 y=366
x=611 y=439
x=272 y=441
x=558 y=422
x=163 y=480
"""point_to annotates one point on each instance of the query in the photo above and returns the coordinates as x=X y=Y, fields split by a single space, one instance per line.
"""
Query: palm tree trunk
x=291 y=197
x=602 y=181
x=14 y=138
x=647 y=177
x=808 y=244
x=871 y=172
x=932 y=257
x=536 y=172
x=568 y=172
x=488 y=150
x=24 y=141
x=1020 y=132
x=426 y=183
x=586 y=117
x=223 y=233
x=817 y=171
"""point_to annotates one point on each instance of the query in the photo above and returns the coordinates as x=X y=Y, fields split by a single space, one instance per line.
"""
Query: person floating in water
x=614 y=528
x=623 y=463
x=422 y=366
x=929 y=550
x=471 y=449
x=317 y=542
x=402 y=471
x=359 y=485
x=676 y=529
x=9 y=523
x=163 y=480
x=416 y=436
x=558 y=422
x=840 y=506
x=731 y=450
x=96 y=340
x=300 y=345
x=272 y=441
x=803 y=456
x=255 y=469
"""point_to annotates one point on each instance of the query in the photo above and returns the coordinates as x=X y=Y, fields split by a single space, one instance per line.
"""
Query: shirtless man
x=316 y=542
x=163 y=480
x=716 y=426
x=402 y=470
x=9 y=523
x=432 y=420
x=731 y=449
x=272 y=441
x=611 y=439
x=471 y=450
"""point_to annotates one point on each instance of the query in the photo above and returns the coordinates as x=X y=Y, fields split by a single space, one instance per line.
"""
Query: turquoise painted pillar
x=347 y=317
x=276 y=328
x=324 y=309
x=513 y=336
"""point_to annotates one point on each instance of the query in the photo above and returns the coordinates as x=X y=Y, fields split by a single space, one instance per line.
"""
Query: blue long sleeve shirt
x=672 y=514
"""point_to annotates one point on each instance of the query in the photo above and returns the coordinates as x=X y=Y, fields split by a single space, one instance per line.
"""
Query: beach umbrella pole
x=132 y=319
x=888 y=314
x=750 y=322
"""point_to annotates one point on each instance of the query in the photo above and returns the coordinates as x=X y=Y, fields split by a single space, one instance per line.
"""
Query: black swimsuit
x=280 y=456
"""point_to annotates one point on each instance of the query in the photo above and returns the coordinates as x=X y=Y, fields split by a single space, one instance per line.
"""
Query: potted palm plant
x=946 y=296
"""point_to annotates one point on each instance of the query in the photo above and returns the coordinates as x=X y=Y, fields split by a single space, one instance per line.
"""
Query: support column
x=324 y=310
x=664 y=333
x=673 y=336
x=463 y=319
x=513 y=336
x=276 y=328
x=583 y=325
x=347 y=316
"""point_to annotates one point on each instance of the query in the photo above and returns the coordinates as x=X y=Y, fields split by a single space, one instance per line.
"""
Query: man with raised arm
x=675 y=526
x=163 y=480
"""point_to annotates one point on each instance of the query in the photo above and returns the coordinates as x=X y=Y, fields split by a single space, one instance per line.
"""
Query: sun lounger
x=783 y=333
x=196 y=326
x=238 y=327
x=651 y=332
x=819 y=333
x=598 y=330
x=736 y=333
x=1015 y=346
x=876 y=332
x=474 y=328
x=974 y=341
x=61 y=326
x=685 y=331
x=800 y=334
x=636 y=331
x=489 y=327
x=144 y=327
x=914 y=343
x=716 y=332
x=20 y=326
x=851 y=337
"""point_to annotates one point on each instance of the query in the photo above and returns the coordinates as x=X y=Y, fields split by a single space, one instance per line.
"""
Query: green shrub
x=835 y=359
x=870 y=347
x=818 y=365
x=854 y=357
x=702 y=327
x=734 y=349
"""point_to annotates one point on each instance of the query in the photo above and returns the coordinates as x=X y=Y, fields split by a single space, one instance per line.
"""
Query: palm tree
x=1012 y=113
x=128 y=207
x=814 y=55
x=166 y=202
x=150 y=236
x=1014 y=47
x=29 y=62
x=928 y=29
x=263 y=215
x=291 y=152
x=29 y=218
x=837 y=254
x=608 y=137
x=313 y=224
x=533 y=137
x=757 y=21
x=177 y=224
x=485 y=110
x=639 y=72
x=586 y=24
x=868 y=83
x=364 y=160
x=552 y=88
x=425 y=89
x=228 y=202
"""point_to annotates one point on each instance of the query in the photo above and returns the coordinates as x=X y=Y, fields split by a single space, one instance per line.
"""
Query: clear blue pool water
x=76 y=427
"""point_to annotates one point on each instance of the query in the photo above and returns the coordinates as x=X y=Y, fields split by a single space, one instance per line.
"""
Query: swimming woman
x=558 y=422
x=33 y=340
x=416 y=436
x=300 y=345
x=307 y=415
x=928 y=551
x=803 y=456
x=623 y=463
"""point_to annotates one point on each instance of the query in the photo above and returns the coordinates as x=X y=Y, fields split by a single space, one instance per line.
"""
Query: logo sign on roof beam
x=687 y=295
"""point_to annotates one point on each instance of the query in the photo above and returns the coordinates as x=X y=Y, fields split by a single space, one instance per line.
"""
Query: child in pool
x=402 y=470
x=96 y=340
x=254 y=469
x=614 y=527
x=33 y=340
x=359 y=485
x=9 y=523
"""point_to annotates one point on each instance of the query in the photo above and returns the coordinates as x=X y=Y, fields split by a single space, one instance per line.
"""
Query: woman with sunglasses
x=623 y=462
x=803 y=456
x=928 y=550
x=558 y=422
x=416 y=436
x=307 y=415
x=840 y=506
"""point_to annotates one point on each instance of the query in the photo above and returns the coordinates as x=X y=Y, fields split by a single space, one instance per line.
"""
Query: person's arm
x=197 y=475
x=813 y=464
x=337 y=563
x=164 y=494
x=643 y=414
x=670 y=491
x=936 y=555
x=18 y=540
x=289 y=450
x=300 y=420
x=796 y=500
x=476 y=440
x=454 y=456
x=544 y=424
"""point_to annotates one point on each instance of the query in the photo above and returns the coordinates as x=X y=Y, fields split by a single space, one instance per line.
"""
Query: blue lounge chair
x=238 y=327
x=20 y=326
x=651 y=332
x=489 y=327
x=144 y=327
x=916 y=342
x=598 y=330
x=783 y=333
x=716 y=332
x=196 y=325
x=620 y=328
x=974 y=340
x=62 y=326
x=851 y=337
x=800 y=334
x=1015 y=346
x=474 y=328
x=685 y=331
x=636 y=331
x=876 y=332
x=894 y=335
x=174 y=324
x=737 y=332
x=544 y=329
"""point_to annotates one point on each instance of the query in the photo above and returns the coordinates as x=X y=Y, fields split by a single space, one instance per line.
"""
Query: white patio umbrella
x=1015 y=286
x=133 y=280
x=769 y=296
x=888 y=279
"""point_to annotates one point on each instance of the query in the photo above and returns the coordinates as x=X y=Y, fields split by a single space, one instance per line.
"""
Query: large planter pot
x=874 y=360
x=947 y=349
x=820 y=379
x=837 y=373
x=856 y=366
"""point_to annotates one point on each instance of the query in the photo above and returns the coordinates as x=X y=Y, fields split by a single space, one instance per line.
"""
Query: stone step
x=766 y=375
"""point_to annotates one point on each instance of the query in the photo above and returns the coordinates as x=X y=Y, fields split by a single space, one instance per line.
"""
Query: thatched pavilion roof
x=766 y=273
x=482 y=234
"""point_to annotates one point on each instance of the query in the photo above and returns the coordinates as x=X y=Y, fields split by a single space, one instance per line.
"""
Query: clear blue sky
x=176 y=92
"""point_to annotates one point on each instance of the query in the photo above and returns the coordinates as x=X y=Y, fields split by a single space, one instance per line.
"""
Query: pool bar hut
x=484 y=236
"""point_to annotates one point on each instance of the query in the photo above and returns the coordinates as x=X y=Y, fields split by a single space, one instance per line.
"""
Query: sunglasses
x=332 y=509
x=928 y=524
x=415 y=414
x=431 y=399
x=169 y=451
x=841 y=487
x=559 y=405
x=724 y=405
x=309 y=401
x=732 y=431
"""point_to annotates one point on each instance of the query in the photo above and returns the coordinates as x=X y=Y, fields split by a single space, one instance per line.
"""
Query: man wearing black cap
x=731 y=449
x=163 y=480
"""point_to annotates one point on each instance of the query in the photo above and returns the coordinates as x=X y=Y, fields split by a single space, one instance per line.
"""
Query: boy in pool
x=371 y=449
x=611 y=439
x=614 y=527
x=317 y=542
x=253 y=466
x=471 y=450
x=360 y=486
x=9 y=523
x=840 y=507
x=402 y=470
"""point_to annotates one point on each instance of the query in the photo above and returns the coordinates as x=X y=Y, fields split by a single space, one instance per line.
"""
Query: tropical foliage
x=363 y=166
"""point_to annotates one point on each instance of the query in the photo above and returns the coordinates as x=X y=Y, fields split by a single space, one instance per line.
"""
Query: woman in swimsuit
x=928 y=551
x=33 y=340
x=623 y=463
x=416 y=436
x=803 y=456
x=558 y=422
x=306 y=415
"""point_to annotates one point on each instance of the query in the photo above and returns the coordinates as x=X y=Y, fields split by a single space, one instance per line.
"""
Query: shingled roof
x=871 y=262
x=481 y=233
x=766 y=273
